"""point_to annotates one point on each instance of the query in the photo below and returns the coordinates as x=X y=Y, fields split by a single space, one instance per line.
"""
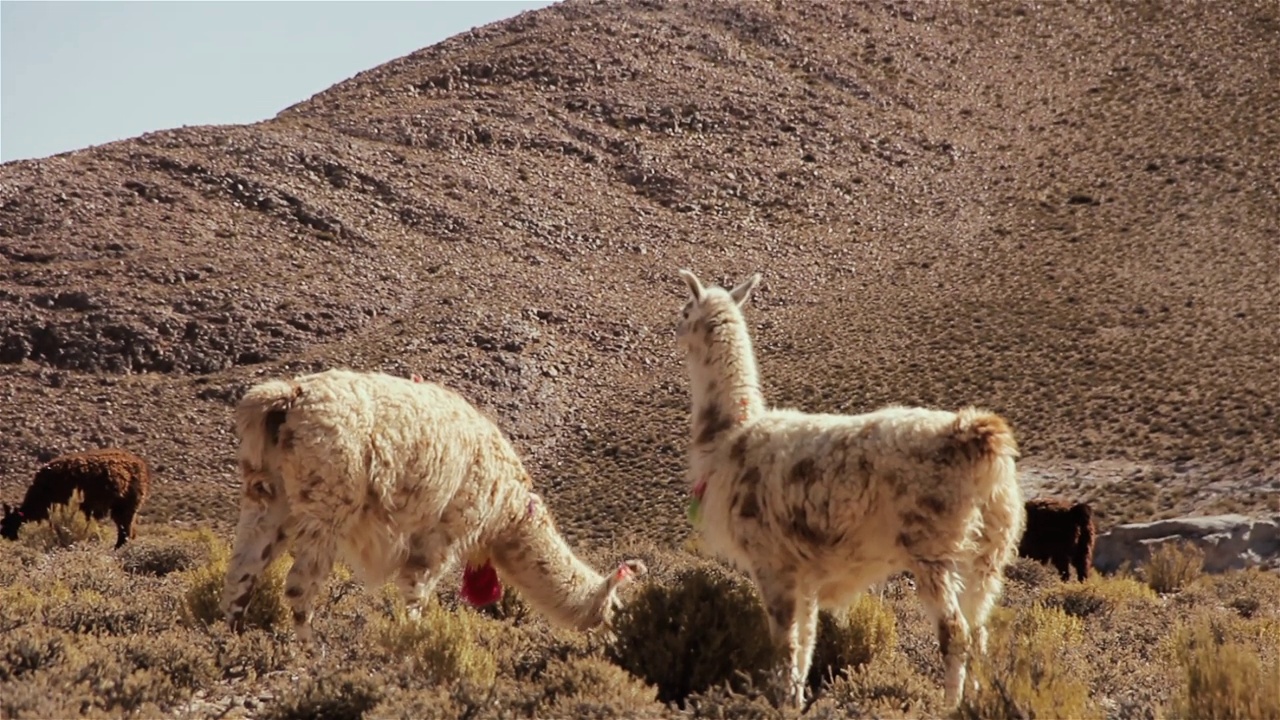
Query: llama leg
x=419 y=574
x=123 y=518
x=807 y=620
x=779 y=592
x=938 y=588
x=260 y=538
x=313 y=558
x=1063 y=565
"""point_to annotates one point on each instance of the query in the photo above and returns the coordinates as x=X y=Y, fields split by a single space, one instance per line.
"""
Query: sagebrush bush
x=1097 y=594
x=1224 y=675
x=852 y=637
x=886 y=686
x=161 y=555
x=202 y=601
x=1034 y=666
x=444 y=646
x=65 y=527
x=703 y=628
x=1173 y=566
x=595 y=688
x=339 y=696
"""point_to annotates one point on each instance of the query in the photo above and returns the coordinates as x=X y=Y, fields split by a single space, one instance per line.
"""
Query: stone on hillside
x=1228 y=541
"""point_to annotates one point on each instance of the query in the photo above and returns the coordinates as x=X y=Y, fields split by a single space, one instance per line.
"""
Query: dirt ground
x=1066 y=212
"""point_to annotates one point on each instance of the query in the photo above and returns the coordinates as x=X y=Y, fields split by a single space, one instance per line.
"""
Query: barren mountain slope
x=1066 y=212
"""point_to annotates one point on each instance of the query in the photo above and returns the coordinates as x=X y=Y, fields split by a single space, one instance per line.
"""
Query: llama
x=1059 y=532
x=112 y=482
x=402 y=479
x=818 y=507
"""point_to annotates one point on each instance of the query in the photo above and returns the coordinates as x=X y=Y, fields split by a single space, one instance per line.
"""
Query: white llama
x=403 y=479
x=819 y=507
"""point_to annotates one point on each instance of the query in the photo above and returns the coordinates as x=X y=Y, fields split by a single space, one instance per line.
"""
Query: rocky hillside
x=1066 y=212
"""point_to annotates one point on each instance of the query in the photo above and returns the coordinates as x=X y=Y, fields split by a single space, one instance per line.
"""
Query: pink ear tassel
x=623 y=572
x=415 y=377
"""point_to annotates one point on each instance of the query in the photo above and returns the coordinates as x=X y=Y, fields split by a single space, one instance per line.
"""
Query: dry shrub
x=161 y=555
x=1229 y=669
x=1251 y=592
x=852 y=637
x=1173 y=566
x=28 y=649
x=443 y=645
x=65 y=527
x=1098 y=594
x=886 y=686
x=248 y=654
x=592 y=687
x=722 y=702
x=1035 y=665
x=694 y=632
x=339 y=696
x=202 y=602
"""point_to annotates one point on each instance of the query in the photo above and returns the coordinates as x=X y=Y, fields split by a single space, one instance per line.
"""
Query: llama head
x=623 y=575
x=10 y=523
x=709 y=307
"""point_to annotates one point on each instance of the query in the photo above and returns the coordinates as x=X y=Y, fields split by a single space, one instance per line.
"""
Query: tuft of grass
x=65 y=527
x=704 y=628
x=1173 y=566
x=442 y=645
x=1035 y=666
x=202 y=601
x=852 y=637
x=1224 y=676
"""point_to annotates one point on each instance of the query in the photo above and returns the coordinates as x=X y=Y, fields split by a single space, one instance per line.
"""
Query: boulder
x=1228 y=541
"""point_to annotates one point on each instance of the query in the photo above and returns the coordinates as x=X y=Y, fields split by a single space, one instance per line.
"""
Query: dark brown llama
x=113 y=482
x=1060 y=532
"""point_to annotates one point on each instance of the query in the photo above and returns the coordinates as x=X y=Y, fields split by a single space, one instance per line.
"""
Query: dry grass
x=1173 y=566
x=88 y=631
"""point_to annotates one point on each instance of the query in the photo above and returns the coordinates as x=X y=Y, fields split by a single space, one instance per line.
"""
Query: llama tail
x=259 y=415
x=983 y=443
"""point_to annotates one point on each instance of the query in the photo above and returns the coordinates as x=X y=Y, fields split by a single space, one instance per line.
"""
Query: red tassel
x=480 y=585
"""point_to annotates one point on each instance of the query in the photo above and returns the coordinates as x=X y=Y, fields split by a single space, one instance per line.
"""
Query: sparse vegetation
x=88 y=631
x=202 y=600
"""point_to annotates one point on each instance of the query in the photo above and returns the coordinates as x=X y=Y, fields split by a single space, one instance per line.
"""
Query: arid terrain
x=1068 y=213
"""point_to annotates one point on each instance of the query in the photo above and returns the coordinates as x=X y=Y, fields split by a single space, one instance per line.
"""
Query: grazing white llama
x=402 y=479
x=819 y=507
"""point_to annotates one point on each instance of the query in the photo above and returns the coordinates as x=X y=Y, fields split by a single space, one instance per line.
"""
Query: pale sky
x=75 y=74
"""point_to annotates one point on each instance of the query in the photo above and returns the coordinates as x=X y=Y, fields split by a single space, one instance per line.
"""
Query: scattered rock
x=1228 y=541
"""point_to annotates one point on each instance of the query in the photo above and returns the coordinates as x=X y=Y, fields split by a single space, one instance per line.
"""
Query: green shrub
x=852 y=637
x=1034 y=667
x=442 y=644
x=698 y=631
x=202 y=601
x=1173 y=566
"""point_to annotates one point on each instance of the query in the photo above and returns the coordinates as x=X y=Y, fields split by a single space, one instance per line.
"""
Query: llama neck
x=535 y=559
x=725 y=384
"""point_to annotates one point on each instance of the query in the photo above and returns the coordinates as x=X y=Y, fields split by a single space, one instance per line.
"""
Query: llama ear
x=743 y=291
x=695 y=285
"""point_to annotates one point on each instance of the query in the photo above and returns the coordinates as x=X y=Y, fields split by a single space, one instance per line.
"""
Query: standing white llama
x=819 y=507
x=402 y=479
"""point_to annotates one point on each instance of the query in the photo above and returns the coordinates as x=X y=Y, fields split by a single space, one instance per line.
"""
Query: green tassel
x=694 y=512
